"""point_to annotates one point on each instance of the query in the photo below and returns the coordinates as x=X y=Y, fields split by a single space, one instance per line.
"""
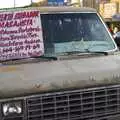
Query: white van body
x=80 y=81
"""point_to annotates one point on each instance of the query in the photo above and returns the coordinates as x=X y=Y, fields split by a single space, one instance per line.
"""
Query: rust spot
x=38 y=86
x=9 y=69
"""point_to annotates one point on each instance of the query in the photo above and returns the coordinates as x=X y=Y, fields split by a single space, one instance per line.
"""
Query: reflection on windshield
x=74 y=32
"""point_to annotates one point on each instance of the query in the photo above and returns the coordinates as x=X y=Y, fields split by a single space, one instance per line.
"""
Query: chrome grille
x=14 y=118
x=84 y=104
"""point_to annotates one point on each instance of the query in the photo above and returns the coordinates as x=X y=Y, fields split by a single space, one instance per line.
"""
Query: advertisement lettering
x=20 y=35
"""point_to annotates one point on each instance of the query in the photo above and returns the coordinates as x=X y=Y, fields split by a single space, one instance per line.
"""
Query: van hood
x=24 y=79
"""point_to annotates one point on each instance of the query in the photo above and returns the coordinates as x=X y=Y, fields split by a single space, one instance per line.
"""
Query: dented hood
x=23 y=79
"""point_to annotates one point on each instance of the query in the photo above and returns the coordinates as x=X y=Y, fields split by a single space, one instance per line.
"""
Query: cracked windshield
x=80 y=32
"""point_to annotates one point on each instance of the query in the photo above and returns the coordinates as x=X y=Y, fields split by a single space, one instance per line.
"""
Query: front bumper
x=96 y=103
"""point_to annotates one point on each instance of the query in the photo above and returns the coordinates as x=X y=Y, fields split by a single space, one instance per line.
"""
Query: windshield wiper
x=98 y=52
x=47 y=57
x=85 y=52
x=71 y=53
x=28 y=60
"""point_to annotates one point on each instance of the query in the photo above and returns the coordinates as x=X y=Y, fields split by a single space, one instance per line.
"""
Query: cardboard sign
x=20 y=35
x=110 y=9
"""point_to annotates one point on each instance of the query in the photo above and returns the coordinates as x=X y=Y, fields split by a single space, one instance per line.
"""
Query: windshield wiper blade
x=47 y=57
x=85 y=52
x=98 y=52
x=28 y=60
x=71 y=53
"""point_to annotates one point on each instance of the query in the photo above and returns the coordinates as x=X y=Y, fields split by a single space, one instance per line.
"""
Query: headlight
x=12 y=108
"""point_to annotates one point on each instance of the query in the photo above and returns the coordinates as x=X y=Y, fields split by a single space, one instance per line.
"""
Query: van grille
x=14 y=118
x=84 y=104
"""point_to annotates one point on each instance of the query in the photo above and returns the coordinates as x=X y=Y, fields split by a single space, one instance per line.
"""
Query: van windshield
x=72 y=32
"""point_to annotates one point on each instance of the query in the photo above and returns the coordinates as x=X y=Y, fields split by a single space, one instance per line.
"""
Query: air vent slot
x=84 y=104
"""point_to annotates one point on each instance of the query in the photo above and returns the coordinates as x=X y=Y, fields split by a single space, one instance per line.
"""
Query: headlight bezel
x=13 y=103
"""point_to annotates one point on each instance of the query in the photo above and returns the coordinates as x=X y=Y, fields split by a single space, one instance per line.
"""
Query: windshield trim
x=82 y=12
x=116 y=48
x=52 y=12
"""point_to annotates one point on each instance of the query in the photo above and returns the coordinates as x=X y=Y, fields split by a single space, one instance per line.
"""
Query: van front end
x=57 y=63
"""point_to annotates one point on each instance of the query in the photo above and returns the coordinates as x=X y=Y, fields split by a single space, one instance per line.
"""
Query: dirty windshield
x=74 y=32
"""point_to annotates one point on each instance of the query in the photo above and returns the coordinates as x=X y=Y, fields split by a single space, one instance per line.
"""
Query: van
x=57 y=63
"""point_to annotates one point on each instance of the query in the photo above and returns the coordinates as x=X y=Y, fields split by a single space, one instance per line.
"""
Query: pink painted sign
x=20 y=35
